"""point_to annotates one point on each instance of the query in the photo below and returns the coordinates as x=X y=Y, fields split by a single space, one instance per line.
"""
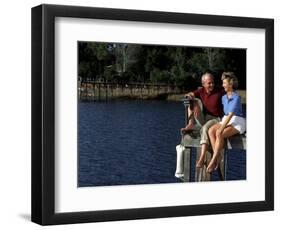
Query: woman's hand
x=226 y=120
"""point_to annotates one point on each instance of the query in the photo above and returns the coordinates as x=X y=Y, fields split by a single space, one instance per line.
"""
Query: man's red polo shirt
x=211 y=102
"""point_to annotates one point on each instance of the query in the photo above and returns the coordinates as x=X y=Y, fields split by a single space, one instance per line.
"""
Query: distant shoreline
x=161 y=97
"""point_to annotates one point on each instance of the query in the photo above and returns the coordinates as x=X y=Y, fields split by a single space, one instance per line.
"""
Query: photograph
x=150 y=114
x=136 y=114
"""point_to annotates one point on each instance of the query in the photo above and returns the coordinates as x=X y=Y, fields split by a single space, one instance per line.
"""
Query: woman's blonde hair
x=231 y=78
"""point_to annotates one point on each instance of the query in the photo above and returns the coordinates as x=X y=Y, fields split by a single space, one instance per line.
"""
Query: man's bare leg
x=191 y=121
x=200 y=162
x=189 y=126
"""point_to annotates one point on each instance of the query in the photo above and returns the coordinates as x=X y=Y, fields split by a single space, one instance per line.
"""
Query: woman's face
x=226 y=85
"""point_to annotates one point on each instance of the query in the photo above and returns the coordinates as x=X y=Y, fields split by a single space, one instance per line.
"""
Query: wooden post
x=99 y=92
x=86 y=91
x=187 y=164
x=94 y=94
x=106 y=91
x=225 y=164
x=221 y=168
x=207 y=176
x=198 y=171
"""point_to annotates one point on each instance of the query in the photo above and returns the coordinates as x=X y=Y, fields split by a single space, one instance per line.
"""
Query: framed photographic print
x=144 y=114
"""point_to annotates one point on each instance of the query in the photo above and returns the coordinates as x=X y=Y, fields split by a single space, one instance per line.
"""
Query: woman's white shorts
x=238 y=123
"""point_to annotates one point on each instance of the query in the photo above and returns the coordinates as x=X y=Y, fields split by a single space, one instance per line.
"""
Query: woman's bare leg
x=212 y=134
x=227 y=132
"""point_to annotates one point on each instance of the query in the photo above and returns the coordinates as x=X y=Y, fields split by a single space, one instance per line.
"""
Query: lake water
x=134 y=142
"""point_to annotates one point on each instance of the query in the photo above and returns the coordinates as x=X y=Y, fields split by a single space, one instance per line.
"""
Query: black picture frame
x=43 y=114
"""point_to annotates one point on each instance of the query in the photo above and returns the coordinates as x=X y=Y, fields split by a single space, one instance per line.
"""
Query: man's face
x=209 y=84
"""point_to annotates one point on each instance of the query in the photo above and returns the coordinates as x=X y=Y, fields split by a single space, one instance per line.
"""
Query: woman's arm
x=224 y=124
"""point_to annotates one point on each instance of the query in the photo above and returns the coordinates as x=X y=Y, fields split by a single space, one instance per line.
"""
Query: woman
x=232 y=123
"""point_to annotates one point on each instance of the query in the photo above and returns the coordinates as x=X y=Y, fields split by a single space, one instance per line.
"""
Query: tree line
x=177 y=65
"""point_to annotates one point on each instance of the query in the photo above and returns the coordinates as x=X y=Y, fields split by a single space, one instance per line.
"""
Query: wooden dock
x=99 y=91
x=192 y=141
x=189 y=143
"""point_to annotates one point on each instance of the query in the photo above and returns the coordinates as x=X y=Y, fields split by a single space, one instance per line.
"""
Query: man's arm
x=194 y=105
x=195 y=93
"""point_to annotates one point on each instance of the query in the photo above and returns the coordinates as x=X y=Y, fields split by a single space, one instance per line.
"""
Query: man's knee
x=204 y=141
x=204 y=128
x=210 y=131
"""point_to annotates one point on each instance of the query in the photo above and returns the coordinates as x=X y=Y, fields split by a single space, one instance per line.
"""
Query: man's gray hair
x=205 y=75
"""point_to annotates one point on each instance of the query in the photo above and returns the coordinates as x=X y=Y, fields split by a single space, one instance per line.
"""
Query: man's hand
x=189 y=95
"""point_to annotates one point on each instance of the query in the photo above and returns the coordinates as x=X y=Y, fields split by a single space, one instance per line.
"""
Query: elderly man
x=204 y=112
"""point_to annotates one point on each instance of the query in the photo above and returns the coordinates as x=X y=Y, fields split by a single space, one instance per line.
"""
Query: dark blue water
x=133 y=142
